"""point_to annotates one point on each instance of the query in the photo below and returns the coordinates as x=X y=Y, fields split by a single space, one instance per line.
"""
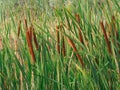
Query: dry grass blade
x=75 y=50
x=19 y=24
x=106 y=37
x=30 y=46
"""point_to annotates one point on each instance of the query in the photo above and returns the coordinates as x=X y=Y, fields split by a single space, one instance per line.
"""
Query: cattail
x=26 y=26
x=80 y=31
x=77 y=18
x=19 y=24
x=30 y=31
x=106 y=38
x=58 y=39
x=75 y=50
x=80 y=36
x=30 y=46
x=63 y=47
x=34 y=38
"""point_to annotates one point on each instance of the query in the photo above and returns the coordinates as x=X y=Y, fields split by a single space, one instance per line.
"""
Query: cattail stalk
x=29 y=41
x=63 y=47
x=30 y=31
x=19 y=24
x=106 y=38
x=75 y=50
x=80 y=31
x=26 y=26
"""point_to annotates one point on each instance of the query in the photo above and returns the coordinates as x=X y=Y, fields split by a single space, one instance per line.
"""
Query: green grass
x=53 y=70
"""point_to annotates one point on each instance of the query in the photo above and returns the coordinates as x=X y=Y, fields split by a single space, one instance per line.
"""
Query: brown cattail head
x=26 y=26
x=106 y=37
x=80 y=36
x=30 y=31
x=19 y=24
x=63 y=47
x=77 y=18
x=30 y=46
x=72 y=44
x=75 y=50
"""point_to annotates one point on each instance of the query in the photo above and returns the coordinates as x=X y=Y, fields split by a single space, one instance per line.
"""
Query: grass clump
x=72 y=45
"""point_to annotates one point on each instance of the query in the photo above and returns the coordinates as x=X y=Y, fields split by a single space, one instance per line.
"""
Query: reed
x=79 y=29
x=78 y=37
x=19 y=24
x=29 y=41
x=30 y=31
x=63 y=46
x=77 y=16
x=106 y=37
x=75 y=50
x=26 y=25
x=35 y=39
